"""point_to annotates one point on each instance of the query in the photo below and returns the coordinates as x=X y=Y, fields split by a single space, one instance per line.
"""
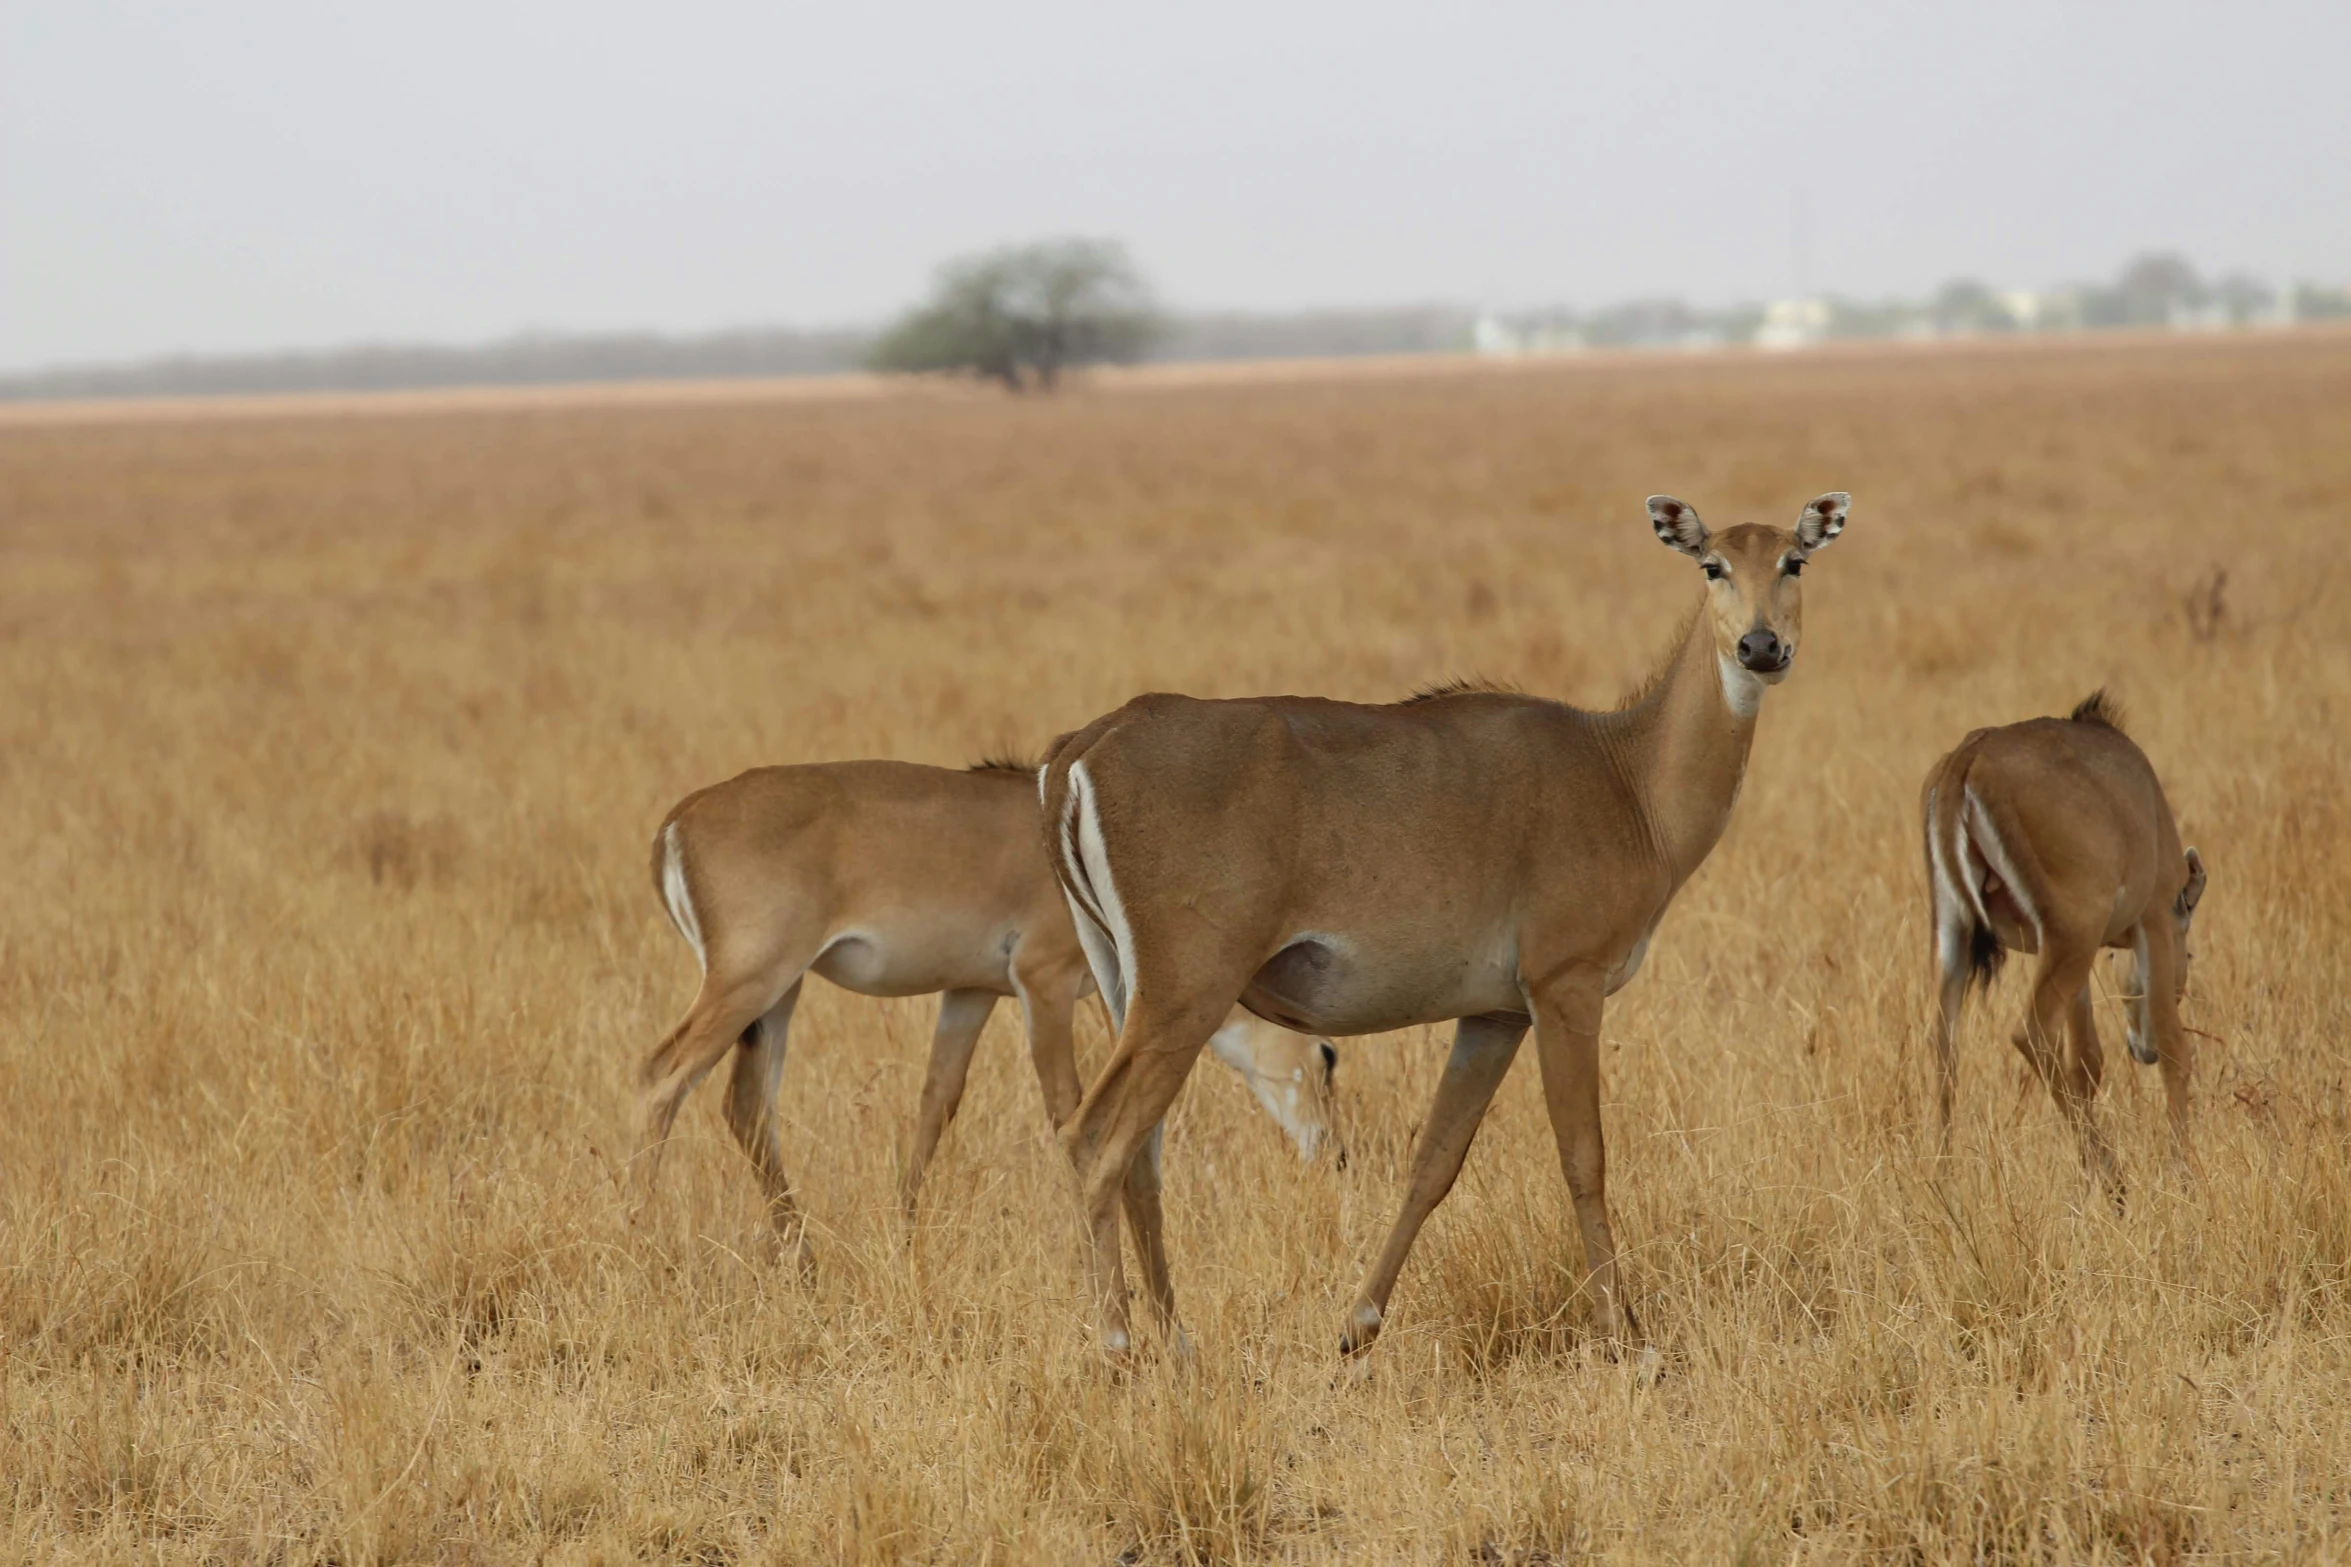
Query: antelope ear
x=2193 y=893
x=1823 y=520
x=1677 y=524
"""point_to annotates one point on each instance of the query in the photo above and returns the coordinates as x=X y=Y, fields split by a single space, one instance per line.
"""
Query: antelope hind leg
x=709 y=1029
x=1108 y=1133
x=1951 y=1000
x=1147 y=1222
x=751 y=1096
x=2062 y=974
x=2085 y=1070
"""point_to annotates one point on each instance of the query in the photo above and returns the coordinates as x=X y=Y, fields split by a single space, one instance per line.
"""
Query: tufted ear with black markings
x=1823 y=520
x=1677 y=524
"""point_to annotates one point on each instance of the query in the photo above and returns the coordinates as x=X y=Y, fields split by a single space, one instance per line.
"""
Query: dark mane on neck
x=2098 y=708
x=1459 y=685
x=1004 y=762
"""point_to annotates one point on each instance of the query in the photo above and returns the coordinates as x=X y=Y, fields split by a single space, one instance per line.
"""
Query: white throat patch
x=1742 y=687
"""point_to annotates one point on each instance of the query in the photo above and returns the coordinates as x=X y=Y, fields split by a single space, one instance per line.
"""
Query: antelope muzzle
x=1764 y=652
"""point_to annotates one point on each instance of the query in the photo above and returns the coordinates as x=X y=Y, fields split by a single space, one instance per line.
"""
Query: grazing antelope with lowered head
x=2053 y=837
x=1478 y=855
x=891 y=879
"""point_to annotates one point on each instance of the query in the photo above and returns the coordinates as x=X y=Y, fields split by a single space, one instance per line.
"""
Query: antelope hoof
x=793 y=1251
x=1363 y=1325
x=650 y=1226
x=1618 y=1331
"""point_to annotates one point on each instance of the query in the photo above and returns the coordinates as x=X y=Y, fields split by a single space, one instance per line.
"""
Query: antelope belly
x=882 y=959
x=1323 y=985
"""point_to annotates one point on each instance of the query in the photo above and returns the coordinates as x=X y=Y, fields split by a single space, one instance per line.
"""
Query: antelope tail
x=677 y=896
x=1073 y=832
x=1956 y=866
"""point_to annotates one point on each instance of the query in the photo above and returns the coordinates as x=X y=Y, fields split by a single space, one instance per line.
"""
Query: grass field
x=331 y=750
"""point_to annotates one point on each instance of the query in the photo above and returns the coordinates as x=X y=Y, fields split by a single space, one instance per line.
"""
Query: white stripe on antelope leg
x=1986 y=837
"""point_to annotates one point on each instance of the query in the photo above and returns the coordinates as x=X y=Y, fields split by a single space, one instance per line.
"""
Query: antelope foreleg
x=1567 y=1042
x=1048 y=1000
x=1482 y=1052
x=2169 y=1037
x=962 y=1016
x=2138 y=1029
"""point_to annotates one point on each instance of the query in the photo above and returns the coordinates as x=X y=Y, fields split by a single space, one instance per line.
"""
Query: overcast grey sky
x=247 y=174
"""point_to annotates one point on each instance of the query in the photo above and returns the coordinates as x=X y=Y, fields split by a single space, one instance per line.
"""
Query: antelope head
x=1291 y=1074
x=1754 y=605
x=2183 y=911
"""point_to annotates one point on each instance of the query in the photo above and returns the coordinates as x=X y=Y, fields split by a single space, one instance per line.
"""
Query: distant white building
x=1552 y=338
x=2024 y=307
x=1495 y=338
x=1793 y=323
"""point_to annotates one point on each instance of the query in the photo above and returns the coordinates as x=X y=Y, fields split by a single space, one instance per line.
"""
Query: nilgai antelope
x=2053 y=837
x=1470 y=854
x=891 y=879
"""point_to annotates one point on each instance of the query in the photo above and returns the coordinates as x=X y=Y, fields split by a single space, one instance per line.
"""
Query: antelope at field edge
x=1470 y=854
x=891 y=879
x=2053 y=837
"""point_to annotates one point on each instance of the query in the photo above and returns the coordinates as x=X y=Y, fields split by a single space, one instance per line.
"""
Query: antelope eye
x=1794 y=568
x=1714 y=571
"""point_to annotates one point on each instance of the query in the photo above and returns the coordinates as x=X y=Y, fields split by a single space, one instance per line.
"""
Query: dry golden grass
x=327 y=956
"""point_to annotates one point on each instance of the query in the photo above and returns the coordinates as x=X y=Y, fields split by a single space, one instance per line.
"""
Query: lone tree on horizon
x=1023 y=314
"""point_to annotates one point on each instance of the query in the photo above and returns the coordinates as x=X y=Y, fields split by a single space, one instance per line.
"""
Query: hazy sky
x=244 y=174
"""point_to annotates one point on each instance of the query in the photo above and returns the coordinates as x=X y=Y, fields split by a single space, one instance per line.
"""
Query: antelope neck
x=1683 y=748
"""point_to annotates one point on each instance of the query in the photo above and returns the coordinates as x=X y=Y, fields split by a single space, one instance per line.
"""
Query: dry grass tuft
x=328 y=752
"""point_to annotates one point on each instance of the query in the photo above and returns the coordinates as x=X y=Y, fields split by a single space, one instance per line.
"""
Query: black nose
x=1763 y=651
